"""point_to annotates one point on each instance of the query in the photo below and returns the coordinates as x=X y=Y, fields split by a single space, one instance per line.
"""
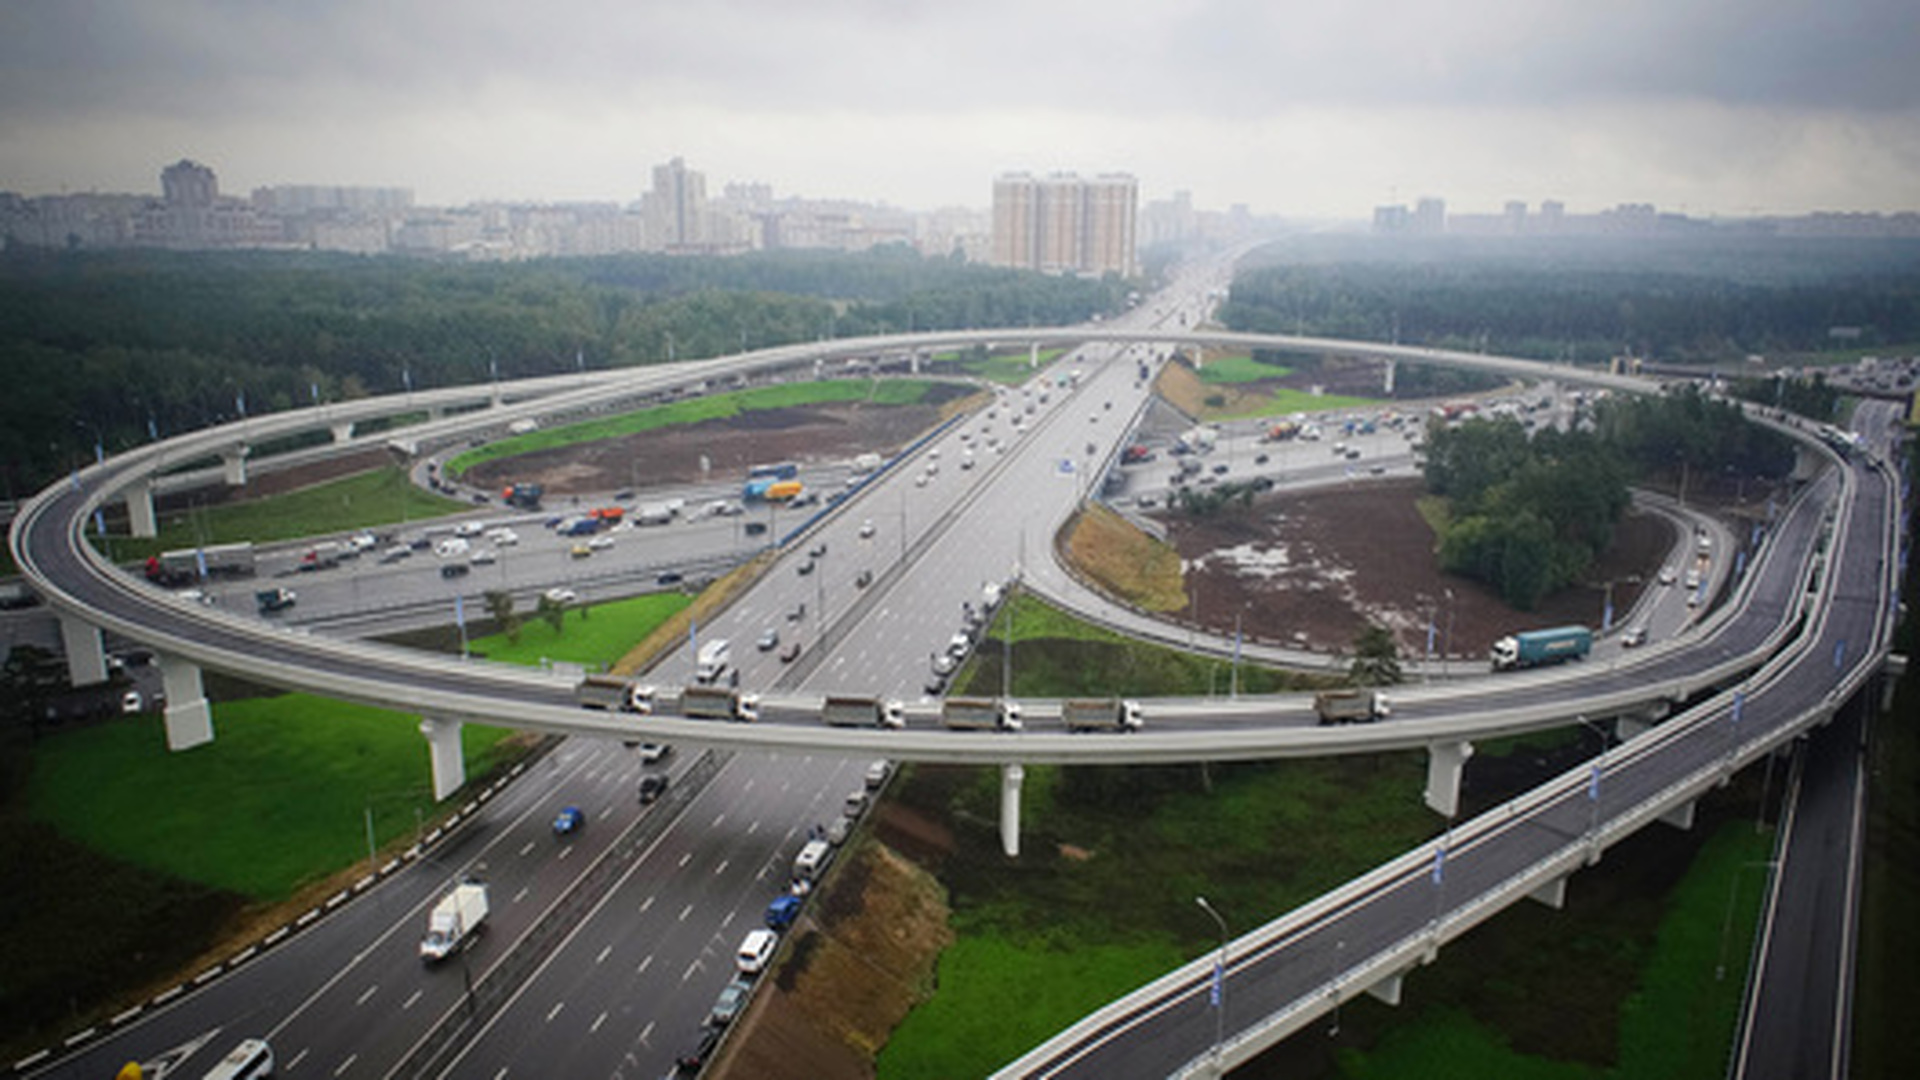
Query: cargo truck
x=614 y=694
x=456 y=917
x=842 y=710
x=1531 y=648
x=980 y=714
x=718 y=703
x=275 y=599
x=1100 y=714
x=1350 y=706
x=712 y=660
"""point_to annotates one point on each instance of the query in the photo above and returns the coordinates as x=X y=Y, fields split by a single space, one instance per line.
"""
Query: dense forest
x=1588 y=299
x=117 y=347
x=1528 y=514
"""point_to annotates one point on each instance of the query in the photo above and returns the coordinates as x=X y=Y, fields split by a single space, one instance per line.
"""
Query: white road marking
x=407 y=1004
x=347 y=1064
x=527 y=850
x=688 y=910
x=522 y=894
x=722 y=868
x=367 y=993
x=555 y=1011
x=602 y=958
x=294 y=1062
x=687 y=858
x=646 y=1033
x=753 y=828
x=597 y=1021
x=644 y=965
x=645 y=904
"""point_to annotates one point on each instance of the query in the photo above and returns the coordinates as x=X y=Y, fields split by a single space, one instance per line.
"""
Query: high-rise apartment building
x=676 y=208
x=1065 y=224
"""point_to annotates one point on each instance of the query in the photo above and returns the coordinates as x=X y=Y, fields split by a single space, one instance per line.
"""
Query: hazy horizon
x=1712 y=107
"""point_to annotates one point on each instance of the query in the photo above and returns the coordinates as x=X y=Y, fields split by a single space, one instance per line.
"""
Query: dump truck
x=523 y=496
x=1350 y=706
x=456 y=917
x=980 y=714
x=845 y=710
x=1532 y=648
x=1100 y=714
x=718 y=703
x=614 y=694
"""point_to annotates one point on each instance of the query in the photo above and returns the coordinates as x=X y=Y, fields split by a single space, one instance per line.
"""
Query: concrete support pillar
x=1446 y=762
x=1553 y=893
x=189 y=717
x=436 y=412
x=1033 y=355
x=1391 y=368
x=140 y=516
x=1011 y=777
x=1387 y=990
x=342 y=430
x=443 y=748
x=1680 y=817
x=234 y=460
x=1629 y=727
x=86 y=653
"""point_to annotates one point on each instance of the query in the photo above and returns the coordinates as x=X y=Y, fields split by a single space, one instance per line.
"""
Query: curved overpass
x=79 y=583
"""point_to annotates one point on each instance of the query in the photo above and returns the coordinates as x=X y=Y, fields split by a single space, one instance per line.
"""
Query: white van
x=813 y=857
x=252 y=1058
x=756 y=949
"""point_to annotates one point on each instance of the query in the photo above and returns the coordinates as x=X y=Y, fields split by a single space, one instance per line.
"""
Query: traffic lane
x=674 y=920
x=373 y=1013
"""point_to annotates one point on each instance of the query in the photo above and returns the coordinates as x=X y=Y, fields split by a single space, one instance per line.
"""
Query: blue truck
x=1532 y=648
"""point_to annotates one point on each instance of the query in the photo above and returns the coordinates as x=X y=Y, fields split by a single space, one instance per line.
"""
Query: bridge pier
x=342 y=431
x=1033 y=356
x=1446 y=762
x=1387 y=990
x=1553 y=894
x=1012 y=776
x=189 y=717
x=1391 y=367
x=234 y=461
x=1680 y=817
x=86 y=653
x=443 y=750
x=1629 y=727
x=140 y=516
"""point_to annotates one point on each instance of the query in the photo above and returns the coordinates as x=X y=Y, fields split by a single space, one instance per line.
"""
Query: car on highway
x=669 y=577
x=395 y=553
x=866 y=529
x=652 y=786
x=732 y=999
x=805 y=567
x=877 y=772
x=568 y=821
x=652 y=753
x=768 y=641
x=454 y=570
x=484 y=557
x=781 y=913
x=452 y=547
x=863 y=579
x=1667 y=576
x=470 y=528
x=818 y=550
x=560 y=595
x=130 y=702
x=600 y=542
x=1633 y=636
x=503 y=537
x=579 y=551
x=695 y=1057
x=756 y=951
x=791 y=653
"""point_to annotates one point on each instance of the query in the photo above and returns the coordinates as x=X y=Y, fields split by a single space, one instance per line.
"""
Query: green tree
x=1376 y=658
x=553 y=612
x=500 y=610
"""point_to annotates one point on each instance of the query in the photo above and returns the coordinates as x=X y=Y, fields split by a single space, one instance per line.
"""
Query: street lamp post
x=1594 y=778
x=1219 y=993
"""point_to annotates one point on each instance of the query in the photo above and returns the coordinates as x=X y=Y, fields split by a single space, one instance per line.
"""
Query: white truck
x=980 y=714
x=712 y=661
x=1100 y=714
x=845 y=710
x=457 y=916
x=614 y=694
x=719 y=703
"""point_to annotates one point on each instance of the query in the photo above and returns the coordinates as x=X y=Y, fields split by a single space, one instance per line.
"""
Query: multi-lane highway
x=926 y=539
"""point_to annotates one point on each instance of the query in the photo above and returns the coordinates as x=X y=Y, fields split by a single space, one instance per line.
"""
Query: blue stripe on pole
x=1593 y=784
x=1439 y=864
x=460 y=611
x=1219 y=977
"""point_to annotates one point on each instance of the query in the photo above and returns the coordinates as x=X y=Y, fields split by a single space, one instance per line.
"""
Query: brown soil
x=862 y=957
x=814 y=433
x=1334 y=560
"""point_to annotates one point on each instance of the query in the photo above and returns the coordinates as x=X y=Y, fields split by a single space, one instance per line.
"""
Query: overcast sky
x=1296 y=108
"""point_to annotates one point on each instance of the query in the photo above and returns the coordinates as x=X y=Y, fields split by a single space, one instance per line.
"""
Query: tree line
x=118 y=347
x=1588 y=300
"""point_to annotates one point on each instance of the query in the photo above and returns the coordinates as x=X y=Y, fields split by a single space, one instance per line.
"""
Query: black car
x=454 y=570
x=652 y=786
x=667 y=577
x=697 y=1055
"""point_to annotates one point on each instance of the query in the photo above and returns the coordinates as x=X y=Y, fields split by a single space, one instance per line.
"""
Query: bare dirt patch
x=1313 y=570
x=863 y=957
x=726 y=446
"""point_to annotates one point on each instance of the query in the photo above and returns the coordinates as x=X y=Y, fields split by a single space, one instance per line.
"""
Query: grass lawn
x=692 y=411
x=1240 y=369
x=1006 y=368
x=593 y=636
x=376 y=497
x=1286 y=402
x=278 y=798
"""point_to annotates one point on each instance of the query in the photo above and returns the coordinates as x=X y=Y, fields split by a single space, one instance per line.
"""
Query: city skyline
x=1714 y=108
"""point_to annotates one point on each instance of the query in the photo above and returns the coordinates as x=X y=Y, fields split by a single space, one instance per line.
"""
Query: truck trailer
x=718 y=703
x=843 y=710
x=1100 y=714
x=1532 y=648
x=980 y=714
x=456 y=917
x=1350 y=706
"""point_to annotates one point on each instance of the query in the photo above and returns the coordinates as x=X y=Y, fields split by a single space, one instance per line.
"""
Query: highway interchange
x=678 y=883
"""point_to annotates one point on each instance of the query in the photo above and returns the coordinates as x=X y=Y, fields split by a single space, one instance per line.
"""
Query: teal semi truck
x=1532 y=648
